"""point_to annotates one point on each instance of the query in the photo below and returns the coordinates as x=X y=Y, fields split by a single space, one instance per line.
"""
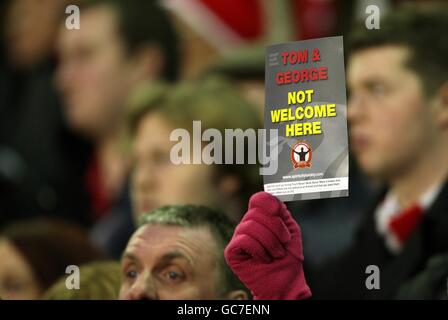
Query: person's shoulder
x=430 y=283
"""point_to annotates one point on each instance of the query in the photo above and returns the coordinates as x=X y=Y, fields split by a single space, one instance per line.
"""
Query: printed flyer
x=306 y=104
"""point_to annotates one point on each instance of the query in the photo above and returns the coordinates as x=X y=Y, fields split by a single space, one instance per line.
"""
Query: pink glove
x=265 y=251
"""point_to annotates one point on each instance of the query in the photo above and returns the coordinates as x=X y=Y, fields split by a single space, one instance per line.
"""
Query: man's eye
x=173 y=276
x=378 y=90
x=131 y=274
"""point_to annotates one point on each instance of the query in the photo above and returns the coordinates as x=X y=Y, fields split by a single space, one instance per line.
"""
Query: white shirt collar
x=390 y=207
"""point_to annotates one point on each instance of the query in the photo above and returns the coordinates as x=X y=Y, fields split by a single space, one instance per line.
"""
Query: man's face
x=170 y=263
x=156 y=181
x=390 y=123
x=94 y=72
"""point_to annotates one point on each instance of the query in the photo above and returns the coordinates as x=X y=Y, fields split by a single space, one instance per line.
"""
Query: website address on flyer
x=226 y=309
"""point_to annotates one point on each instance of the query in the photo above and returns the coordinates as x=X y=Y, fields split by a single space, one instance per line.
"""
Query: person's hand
x=265 y=251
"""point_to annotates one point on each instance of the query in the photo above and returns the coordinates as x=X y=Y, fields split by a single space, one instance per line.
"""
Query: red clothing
x=100 y=200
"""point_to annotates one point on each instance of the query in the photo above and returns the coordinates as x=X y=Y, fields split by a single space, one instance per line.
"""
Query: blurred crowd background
x=85 y=117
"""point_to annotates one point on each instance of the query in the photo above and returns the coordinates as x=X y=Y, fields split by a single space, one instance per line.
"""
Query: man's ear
x=237 y=295
x=442 y=106
x=147 y=64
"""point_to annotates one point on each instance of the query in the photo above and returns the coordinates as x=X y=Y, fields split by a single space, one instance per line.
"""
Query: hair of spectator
x=145 y=23
x=420 y=31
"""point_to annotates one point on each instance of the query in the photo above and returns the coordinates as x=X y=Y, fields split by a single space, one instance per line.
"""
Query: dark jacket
x=112 y=232
x=431 y=284
x=41 y=162
x=344 y=277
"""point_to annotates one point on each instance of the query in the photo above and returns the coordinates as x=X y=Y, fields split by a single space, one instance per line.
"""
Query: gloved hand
x=265 y=251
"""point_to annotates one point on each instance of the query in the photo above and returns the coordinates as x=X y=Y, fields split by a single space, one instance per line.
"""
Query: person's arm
x=265 y=251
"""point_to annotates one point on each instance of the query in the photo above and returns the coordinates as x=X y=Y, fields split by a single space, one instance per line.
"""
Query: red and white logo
x=301 y=155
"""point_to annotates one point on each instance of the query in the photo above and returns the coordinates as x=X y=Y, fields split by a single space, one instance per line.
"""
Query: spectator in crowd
x=120 y=44
x=398 y=115
x=178 y=253
x=156 y=180
x=36 y=253
x=38 y=154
